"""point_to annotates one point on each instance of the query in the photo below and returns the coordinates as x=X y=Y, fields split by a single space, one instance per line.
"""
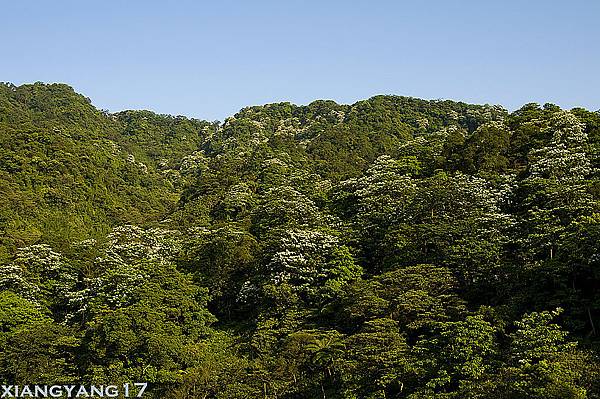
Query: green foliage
x=69 y=171
x=391 y=248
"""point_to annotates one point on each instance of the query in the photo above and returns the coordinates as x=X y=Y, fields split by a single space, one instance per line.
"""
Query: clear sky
x=208 y=59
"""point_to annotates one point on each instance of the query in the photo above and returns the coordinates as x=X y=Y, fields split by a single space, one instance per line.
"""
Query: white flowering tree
x=34 y=291
x=139 y=312
x=455 y=220
x=41 y=276
x=284 y=206
x=237 y=202
x=114 y=273
x=316 y=264
x=556 y=189
x=377 y=201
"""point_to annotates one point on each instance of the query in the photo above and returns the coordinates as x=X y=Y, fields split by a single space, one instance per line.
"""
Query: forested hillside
x=392 y=248
x=69 y=171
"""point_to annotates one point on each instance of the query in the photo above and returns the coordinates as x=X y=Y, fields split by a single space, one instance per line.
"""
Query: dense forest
x=392 y=248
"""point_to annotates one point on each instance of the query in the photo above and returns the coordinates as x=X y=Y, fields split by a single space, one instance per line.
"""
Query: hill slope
x=392 y=248
x=69 y=171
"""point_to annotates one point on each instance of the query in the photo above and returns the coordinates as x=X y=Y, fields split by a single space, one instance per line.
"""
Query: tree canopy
x=391 y=248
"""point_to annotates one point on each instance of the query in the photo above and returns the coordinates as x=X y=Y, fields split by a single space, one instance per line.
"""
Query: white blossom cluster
x=114 y=147
x=121 y=266
x=239 y=197
x=163 y=163
x=273 y=162
x=132 y=243
x=488 y=113
x=383 y=191
x=338 y=116
x=117 y=285
x=193 y=163
x=143 y=167
x=14 y=278
x=283 y=203
x=430 y=146
x=561 y=163
x=386 y=196
x=38 y=273
x=565 y=158
x=289 y=127
x=306 y=260
x=422 y=122
x=472 y=190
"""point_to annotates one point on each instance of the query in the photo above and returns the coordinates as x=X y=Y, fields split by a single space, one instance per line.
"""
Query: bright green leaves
x=376 y=359
x=486 y=150
x=16 y=311
x=33 y=348
x=542 y=363
x=40 y=352
x=537 y=339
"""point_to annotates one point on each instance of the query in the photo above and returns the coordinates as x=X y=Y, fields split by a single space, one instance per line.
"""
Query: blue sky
x=208 y=59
